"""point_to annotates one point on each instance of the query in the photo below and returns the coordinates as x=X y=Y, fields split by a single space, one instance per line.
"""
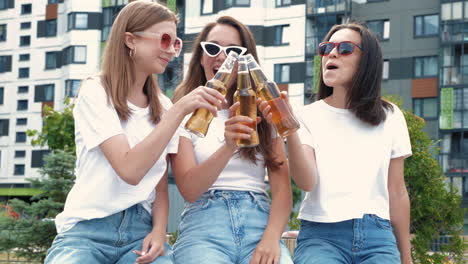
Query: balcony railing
x=326 y=6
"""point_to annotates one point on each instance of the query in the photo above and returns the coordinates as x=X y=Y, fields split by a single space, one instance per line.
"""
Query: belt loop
x=212 y=193
x=254 y=197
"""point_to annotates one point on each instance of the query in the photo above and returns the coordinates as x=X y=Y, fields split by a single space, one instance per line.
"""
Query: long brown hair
x=196 y=77
x=364 y=96
x=118 y=68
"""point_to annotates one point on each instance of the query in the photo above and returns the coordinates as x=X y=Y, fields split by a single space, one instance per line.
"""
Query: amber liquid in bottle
x=200 y=120
x=248 y=105
x=282 y=118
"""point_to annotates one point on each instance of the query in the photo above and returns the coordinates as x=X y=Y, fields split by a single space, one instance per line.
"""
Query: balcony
x=316 y=7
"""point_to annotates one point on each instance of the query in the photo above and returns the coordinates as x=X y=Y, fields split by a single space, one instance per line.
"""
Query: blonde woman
x=125 y=127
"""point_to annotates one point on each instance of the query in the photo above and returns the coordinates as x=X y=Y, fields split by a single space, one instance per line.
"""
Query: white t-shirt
x=353 y=158
x=239 y=174
x=98 y=191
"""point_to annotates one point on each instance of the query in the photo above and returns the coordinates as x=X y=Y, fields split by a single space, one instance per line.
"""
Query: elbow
x=307 y=187
x=189 y=197
x=130 y=178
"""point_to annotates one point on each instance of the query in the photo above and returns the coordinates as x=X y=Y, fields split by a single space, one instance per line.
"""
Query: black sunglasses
x=344 y=47
x=212 y=49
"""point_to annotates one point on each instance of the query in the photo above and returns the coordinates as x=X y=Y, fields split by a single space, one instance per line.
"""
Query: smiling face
x=149 y=57
x=223 y=35
x=338 y=70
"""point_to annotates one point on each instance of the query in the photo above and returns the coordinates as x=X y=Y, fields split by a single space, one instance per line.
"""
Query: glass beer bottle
x=200 y=120
x=247 y=98
x=282 y=118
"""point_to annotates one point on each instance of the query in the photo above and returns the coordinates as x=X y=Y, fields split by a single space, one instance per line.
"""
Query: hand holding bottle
x=236 y=128
x=201 y=97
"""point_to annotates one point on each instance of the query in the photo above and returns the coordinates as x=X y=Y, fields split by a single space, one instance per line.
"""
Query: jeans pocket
x=190 y=208
x=145 y=216
x=263 y=203
x=382 y=223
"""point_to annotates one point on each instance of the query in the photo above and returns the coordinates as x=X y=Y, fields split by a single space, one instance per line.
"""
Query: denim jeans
x=223 y=227
x=110 y=239
x=367 y=240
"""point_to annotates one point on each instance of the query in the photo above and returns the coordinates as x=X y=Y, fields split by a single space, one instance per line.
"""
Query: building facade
x=48 y=46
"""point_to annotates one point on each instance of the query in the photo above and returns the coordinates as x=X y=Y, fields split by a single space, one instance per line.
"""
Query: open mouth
x=332 y=67
x=215 y=70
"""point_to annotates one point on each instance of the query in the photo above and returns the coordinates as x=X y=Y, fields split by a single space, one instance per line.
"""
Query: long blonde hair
x=118 y=69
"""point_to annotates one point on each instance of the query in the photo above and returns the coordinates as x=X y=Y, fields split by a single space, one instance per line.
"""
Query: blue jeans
x=223 y=227
x=367 y=240
x=110 y=239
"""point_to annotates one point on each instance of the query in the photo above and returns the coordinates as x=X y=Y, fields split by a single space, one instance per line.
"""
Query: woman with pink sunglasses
x=227 y=217
x=349 y=156
x=124 y=130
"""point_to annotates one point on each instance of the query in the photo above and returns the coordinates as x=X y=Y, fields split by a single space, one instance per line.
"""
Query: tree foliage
x=435 y=209
x=32 y=233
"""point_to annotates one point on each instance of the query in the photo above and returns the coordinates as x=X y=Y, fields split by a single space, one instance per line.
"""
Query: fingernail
x=143 y=253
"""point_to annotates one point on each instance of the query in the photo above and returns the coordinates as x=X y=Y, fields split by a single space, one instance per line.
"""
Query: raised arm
x=132 y=164
x=194 y=179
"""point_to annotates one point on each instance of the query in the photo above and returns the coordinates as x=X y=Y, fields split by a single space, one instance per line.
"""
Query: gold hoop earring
x=132 y=52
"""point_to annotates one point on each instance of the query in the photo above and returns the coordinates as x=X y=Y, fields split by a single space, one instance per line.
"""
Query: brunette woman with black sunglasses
x=348 y=156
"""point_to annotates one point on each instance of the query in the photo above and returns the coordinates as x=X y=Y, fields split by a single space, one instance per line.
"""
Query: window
x=427 y=25
x=2 y=90
x=283 y=3
x=25 y=40
x=453 y=11
x=24 y=57
x=425 y=107
x=22 y=105
x=381 y=28
x=51 y=60
x=25 y=25
x=37 y=158
x=26 y=9
x=75 y=54
x=425 y=67
x=108 y=16
x=3 y=32
x=51 y=28
x=282 y=73
x=278 y=34
x=23 y=89
x=19 y=169
x=20 y=153
x=21 y=121
x=71 y=87
x=23 y=73
x=44 y=93
x=5 y=64
x=77 y=21
x=20 y=137
x=385 y=69
x=4 y=127
x=3 y=4
x=240 y=3
x=206 y=7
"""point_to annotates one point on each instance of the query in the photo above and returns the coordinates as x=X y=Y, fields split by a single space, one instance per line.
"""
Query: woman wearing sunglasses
x=125 y=127
x=349 y=155
x=227 y=218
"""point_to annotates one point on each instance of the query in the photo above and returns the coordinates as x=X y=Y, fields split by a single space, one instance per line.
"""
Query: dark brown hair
x=196 y=77
x=364 y=97
x=118 y=68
